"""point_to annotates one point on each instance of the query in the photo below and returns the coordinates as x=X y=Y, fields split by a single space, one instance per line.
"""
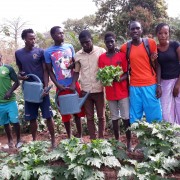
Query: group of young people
x=149 y=84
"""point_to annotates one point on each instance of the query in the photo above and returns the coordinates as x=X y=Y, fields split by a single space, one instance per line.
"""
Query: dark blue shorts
x=31 y=109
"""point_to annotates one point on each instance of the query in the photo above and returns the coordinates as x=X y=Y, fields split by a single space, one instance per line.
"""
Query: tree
x=115 y=15
x=72 y=28
x=12 y=28
x=43 y=40
x=175 y=28
x=77 y=25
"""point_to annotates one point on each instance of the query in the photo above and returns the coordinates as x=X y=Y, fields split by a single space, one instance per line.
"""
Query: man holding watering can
x=30 y=60
x=60 y=58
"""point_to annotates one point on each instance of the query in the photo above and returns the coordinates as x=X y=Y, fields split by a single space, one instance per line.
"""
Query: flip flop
x=8 y=146
x=19 y=144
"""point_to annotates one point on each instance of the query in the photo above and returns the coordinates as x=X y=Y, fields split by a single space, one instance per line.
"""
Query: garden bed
x=110 y=173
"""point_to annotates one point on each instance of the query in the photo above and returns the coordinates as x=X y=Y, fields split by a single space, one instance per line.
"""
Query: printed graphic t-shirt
x=61 y=57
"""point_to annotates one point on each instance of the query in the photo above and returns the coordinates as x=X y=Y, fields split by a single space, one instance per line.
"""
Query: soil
x=110 y=174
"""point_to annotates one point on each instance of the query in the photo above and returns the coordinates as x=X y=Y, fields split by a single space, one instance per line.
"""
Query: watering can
x=70 y=103
x=33 y=90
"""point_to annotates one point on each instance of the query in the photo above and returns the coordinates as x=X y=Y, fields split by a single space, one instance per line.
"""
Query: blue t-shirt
x=31 y=62
x=61 y=57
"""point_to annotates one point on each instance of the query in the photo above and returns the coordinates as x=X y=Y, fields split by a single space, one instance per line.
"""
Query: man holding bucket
x=60 y=58
x=86 y=64
x=30 y=60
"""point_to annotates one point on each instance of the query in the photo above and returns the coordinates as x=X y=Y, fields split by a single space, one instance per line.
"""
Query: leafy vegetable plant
x=109 y=74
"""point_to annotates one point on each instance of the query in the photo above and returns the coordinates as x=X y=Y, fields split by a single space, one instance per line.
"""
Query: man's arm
x=177 y=84
x=158 y=76
x=75 y=79
x=14 y=77
x=45 y=75
x=20 y=73
x=75 y=75
x=124 y=77
x=53 y=78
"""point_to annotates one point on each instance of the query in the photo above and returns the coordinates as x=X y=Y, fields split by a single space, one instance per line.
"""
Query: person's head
x=110 y=40
x=29 y=37
x=57 y=34
x=135 y=30
x=163 y=33
x=86 y=41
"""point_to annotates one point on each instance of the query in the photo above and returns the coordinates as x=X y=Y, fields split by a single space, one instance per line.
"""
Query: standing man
x=117 y=94
x=142 y=77
x=8 y=105
x=30 y=60
x=86 y=64
x=60 y=57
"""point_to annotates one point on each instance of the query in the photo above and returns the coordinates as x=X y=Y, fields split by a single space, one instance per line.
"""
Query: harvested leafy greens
x=108 y=74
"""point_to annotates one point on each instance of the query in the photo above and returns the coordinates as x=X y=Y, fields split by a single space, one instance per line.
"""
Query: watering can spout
x=82 y=100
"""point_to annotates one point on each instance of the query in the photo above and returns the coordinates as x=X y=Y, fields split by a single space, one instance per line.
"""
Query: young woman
x=168 y=74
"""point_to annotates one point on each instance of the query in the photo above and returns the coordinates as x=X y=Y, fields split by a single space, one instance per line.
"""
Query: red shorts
x=67 y=118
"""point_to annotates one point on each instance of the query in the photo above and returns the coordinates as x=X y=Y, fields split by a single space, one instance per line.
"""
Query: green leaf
x=107 y=74
x=26 y=175
x=72 y=156
x=95 y=175
x=5 y=172
x=170 y=163
x=45 y=177
x=126 y=171
x=162 y=172
x=111 y=161
x=78 y=172
x=94 y=161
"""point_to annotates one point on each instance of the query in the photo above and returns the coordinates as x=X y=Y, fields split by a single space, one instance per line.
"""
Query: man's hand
x=158 y=91
x=176 y=89
x=71 y=66
x=46 y=90
x=61 y=87
x=72 y=87
x=154 y=56
x=8 y=95
x=22 y=76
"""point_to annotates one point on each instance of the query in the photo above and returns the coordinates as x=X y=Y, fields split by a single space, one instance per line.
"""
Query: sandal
x=8 y=146
x=19 y=144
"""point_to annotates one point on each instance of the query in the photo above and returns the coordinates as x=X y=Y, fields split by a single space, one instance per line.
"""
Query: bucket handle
x=34 y=76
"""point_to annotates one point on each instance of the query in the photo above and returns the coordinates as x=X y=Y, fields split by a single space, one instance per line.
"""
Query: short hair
x=85 y=33
x=109 y=34
x=131 y=22
x=53 y=30
x=25 y=32
x=160 y=26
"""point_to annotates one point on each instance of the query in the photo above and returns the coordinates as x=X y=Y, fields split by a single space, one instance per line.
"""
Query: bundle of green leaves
x=108 y=74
